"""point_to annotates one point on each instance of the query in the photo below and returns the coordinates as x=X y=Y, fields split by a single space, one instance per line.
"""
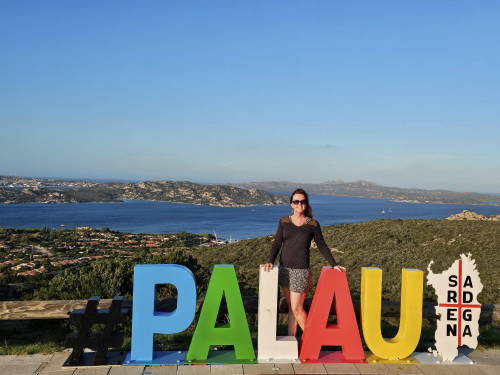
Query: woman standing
x=294 y=237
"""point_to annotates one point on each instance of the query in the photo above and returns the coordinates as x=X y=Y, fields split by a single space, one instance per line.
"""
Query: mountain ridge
x=369 y=189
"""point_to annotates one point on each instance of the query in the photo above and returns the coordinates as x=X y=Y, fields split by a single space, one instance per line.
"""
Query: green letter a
x=223 y=283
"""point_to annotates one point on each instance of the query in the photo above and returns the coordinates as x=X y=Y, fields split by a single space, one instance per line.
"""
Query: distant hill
x=49 y=191
x=368 y=189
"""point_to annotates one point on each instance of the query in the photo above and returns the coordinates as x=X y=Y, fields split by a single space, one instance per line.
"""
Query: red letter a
x=318 y=332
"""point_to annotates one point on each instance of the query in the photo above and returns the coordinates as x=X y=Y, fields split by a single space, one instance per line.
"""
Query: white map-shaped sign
x=457 y=289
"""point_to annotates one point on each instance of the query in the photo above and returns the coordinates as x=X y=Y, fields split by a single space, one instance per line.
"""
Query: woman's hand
x=339 y=268
x=267 y=266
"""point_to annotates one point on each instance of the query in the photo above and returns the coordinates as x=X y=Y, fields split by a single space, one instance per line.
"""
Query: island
x=24 y=190
x=368 y=189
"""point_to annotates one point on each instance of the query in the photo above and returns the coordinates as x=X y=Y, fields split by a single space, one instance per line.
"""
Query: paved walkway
x=487 y=363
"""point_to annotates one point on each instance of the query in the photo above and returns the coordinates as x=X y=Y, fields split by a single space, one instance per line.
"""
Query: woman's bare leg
x=297 y=304
x=292 y=322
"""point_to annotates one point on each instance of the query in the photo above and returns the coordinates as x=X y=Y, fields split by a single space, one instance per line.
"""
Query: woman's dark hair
x=308 y=212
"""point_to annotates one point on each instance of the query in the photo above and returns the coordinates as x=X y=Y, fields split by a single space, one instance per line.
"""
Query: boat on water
x=223 y=241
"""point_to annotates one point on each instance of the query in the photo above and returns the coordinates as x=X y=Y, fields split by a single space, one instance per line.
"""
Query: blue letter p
x=145 y=320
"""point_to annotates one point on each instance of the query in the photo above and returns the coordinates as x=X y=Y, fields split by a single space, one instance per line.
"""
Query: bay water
x=227 y=222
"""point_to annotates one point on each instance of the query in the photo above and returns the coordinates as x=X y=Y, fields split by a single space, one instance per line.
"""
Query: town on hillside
x=27 y=253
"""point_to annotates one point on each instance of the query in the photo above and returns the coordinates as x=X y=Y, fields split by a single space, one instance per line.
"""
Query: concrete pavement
x=486 y=363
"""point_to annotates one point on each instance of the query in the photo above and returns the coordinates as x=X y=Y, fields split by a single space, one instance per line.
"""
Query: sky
x=400 y=93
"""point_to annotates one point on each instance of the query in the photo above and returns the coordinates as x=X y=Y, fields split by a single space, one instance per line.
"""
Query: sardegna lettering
x=457 y=289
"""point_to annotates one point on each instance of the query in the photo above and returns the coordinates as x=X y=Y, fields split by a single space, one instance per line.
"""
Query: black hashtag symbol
x=99 y=341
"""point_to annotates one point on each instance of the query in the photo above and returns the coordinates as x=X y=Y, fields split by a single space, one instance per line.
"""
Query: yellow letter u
x=410 y=324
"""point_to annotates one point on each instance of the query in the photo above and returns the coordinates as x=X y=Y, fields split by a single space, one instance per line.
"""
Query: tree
x=112 y=277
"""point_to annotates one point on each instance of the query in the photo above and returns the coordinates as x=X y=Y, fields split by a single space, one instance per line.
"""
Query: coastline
x=122 y=200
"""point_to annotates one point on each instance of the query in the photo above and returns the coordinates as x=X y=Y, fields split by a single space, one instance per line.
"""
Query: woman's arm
x=278 y=241
x=322 y=246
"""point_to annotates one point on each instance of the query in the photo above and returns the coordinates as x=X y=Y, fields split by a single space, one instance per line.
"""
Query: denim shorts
x=298 y=280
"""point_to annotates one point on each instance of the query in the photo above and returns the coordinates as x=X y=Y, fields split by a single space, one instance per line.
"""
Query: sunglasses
x=303 y=201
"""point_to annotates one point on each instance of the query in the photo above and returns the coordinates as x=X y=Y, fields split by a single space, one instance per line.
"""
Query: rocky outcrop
x=469 y=215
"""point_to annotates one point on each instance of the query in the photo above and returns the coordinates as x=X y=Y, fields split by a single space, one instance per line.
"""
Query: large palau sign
x=332 y=289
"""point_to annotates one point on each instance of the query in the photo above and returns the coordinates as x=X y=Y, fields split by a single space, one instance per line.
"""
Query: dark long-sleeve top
x=295 y=241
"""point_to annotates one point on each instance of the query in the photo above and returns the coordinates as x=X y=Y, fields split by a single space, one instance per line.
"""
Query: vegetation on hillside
x=388 y=244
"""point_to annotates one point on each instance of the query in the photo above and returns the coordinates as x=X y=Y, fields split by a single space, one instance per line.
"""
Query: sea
x=229 y=223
